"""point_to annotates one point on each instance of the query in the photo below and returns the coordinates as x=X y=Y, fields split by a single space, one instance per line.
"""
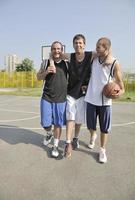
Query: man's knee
x=48 y=128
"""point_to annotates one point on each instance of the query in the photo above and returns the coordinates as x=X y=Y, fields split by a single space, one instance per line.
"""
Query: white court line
x=10 y=100
x=123 y=124
x=37 y=116
x=83 y=127
x=14 y=99
x=18 y=111
x=23 y=119
x=28 y=128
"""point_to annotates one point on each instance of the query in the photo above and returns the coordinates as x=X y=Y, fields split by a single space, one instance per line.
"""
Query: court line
x=10 y=100
x=23 y=119
x=37 y=116
x=83 y=127
x=123 y=124
x=4 y=102
x=18 y=111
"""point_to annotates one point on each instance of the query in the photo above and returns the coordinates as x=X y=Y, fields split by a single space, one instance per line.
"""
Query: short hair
x=107 y=42
x=58 y=43
x=79 y=36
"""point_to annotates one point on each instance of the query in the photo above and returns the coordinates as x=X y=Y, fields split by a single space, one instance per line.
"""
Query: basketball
x=110 y=89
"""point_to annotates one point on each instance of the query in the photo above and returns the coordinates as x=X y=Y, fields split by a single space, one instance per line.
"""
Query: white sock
x=68 y=141
x=56 y=142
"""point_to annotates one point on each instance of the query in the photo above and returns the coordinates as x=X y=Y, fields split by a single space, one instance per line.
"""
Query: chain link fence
x=19 y=80
x=29 y=80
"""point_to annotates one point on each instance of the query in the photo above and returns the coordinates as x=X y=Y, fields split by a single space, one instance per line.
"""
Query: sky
x=26 y=26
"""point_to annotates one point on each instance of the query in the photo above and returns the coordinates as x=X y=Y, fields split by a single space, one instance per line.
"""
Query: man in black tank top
x=53 y=100
x=79 y=75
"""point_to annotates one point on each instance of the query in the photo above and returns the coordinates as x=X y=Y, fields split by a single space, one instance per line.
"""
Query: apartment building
x=10 y=62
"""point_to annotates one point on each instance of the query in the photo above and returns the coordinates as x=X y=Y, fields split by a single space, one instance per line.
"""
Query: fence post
x=22 y=79
x=32 y=79
x=4 y=79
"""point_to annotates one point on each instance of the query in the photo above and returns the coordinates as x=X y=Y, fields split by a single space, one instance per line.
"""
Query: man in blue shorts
x=53 y=101
x=104 y=69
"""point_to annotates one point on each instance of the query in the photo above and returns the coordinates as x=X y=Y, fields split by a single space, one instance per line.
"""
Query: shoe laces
x=75 y=140
x=48 y=137
x=55 y=148
x=102 y=153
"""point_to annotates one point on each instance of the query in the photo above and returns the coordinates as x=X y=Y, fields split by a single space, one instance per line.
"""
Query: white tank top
x=99 y=77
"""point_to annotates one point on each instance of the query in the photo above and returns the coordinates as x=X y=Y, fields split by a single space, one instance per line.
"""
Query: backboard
x=46 y=50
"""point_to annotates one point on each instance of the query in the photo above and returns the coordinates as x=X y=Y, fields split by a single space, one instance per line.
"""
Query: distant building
x=10 y=62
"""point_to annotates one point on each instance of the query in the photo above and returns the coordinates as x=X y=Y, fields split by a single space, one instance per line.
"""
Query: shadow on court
x=27 y=170
x=94 y=155
x=14 y=135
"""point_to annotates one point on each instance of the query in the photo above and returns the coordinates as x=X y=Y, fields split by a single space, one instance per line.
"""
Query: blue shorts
x=104 y=114
x=52 y=113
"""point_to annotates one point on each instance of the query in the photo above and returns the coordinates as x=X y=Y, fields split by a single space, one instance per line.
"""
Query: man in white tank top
x=97 y=103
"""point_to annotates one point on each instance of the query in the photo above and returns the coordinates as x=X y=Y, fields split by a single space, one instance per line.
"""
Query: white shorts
x=76 y=110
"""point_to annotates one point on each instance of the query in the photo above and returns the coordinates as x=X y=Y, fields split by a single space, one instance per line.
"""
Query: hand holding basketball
x=111 y=90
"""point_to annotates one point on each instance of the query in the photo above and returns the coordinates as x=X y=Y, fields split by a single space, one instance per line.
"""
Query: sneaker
x=55 y=152
x=47 y=139
x=92 y=141
x=102 y=156
x=68 y=150
x=75 y=143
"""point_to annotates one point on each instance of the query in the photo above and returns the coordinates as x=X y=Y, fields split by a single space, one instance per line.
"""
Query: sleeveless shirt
x=79 y=74
x=99 y=78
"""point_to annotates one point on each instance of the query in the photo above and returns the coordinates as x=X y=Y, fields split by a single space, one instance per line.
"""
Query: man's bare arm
x=43 y=72
x=41 y=75
x=118 y=78
x=66 y=56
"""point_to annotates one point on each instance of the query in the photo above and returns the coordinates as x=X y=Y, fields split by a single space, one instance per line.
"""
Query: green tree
x=26 y=65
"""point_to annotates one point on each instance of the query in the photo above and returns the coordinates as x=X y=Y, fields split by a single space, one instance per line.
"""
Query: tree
x=26 y=65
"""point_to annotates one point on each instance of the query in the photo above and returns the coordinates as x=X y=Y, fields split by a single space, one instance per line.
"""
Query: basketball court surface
x=27 y=171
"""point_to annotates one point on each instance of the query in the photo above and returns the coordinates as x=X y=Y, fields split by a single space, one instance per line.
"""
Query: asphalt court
x=27 y=170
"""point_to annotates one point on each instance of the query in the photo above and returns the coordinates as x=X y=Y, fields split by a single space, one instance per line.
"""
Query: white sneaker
x=47 y=139
x=92 y=141
x=55 y=152
x=102 y=156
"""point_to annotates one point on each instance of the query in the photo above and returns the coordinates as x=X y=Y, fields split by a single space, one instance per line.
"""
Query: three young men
x=80 y=73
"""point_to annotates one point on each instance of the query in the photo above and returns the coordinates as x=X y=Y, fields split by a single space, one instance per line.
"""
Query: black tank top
x=55 y=88
x=79 y=74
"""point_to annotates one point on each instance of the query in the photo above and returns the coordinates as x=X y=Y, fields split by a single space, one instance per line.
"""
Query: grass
x=36 y=92
x=127 y=96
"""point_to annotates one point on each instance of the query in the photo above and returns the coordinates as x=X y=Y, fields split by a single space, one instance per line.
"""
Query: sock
x=102 y=149
x=56 y=142
x=76 y=135
x=68 y=141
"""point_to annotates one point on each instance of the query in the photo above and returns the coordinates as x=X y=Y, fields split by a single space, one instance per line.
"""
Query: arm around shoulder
x=94 y=55
x=66 y=56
